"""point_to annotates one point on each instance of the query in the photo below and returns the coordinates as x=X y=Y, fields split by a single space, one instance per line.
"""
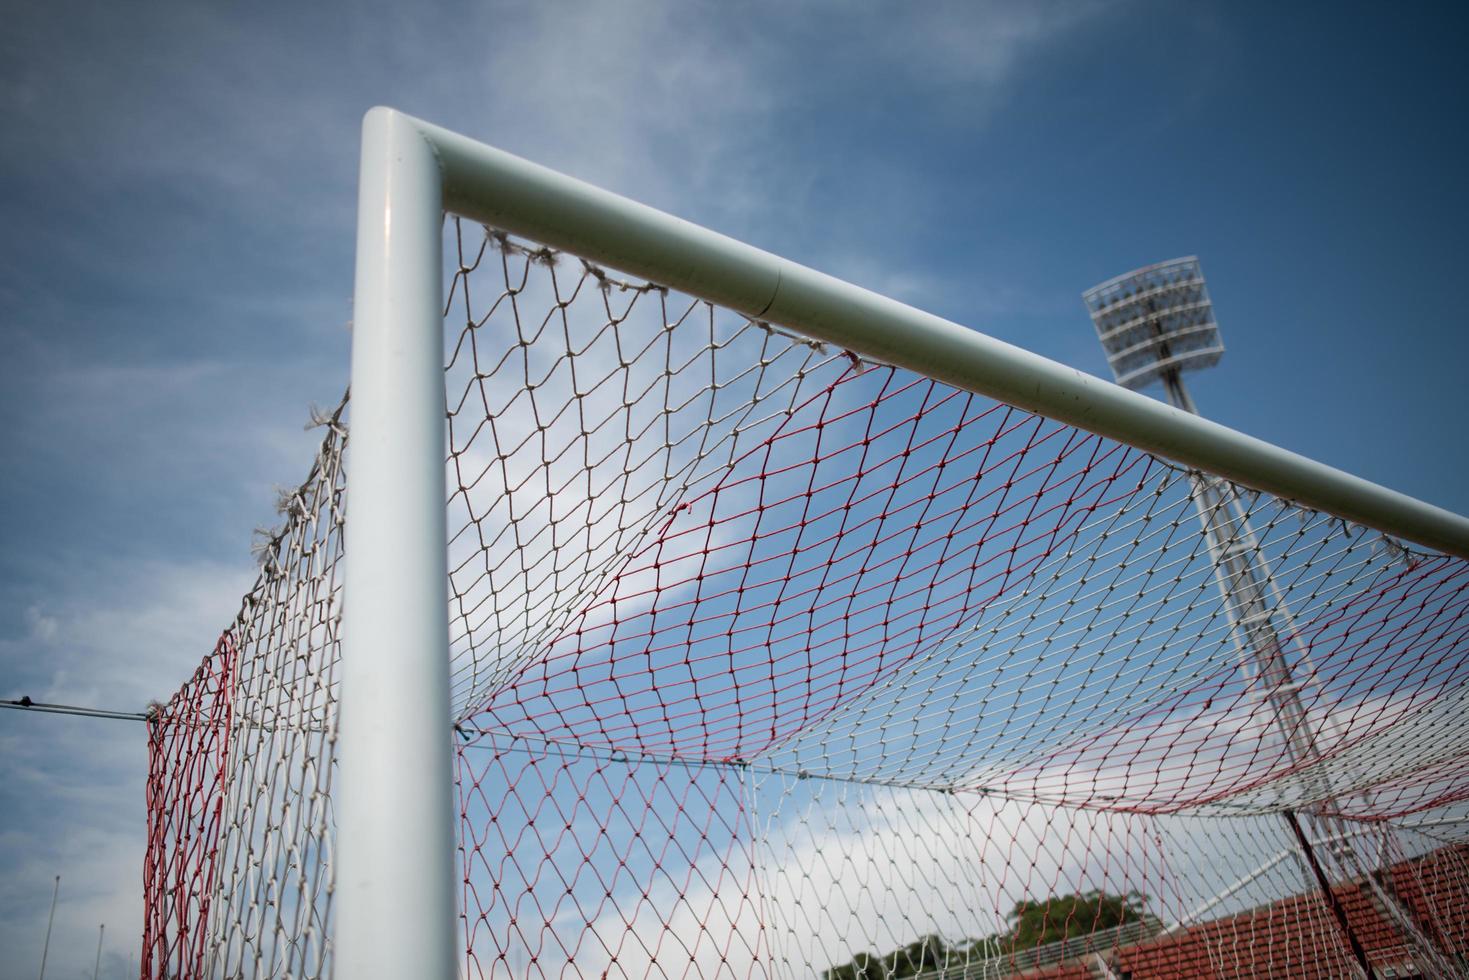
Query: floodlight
x=1155 y=322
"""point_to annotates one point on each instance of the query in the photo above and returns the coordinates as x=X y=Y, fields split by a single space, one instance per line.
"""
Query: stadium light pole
x=1155 y=323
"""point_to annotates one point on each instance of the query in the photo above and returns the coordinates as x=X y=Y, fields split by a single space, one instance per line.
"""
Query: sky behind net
x=765 y=656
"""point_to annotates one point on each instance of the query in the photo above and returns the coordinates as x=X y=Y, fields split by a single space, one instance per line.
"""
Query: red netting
x=238 y=877
x=188 y=752
x=667 y=875
x=769 y=661
x=813 y=569
x=950 y=661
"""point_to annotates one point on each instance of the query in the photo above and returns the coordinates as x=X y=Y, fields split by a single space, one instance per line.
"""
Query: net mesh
x=771 y=661
x=238 y=870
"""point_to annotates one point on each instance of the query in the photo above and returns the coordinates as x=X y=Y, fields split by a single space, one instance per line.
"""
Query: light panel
x=1154 y=320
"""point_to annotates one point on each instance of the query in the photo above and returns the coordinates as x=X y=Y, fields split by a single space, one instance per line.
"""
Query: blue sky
x=177 y=183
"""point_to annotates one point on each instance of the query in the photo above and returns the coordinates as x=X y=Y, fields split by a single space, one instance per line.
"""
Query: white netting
x=770 y=661
x=240 y=824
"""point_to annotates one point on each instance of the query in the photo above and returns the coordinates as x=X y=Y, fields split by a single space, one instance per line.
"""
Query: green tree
x=1060 y=917
x=1030 y=924
x=919 y=956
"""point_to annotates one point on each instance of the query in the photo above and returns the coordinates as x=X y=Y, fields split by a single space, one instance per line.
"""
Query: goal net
x=771 y=660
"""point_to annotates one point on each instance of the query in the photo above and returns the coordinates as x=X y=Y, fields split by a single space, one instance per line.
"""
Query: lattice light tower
x=1154 y=324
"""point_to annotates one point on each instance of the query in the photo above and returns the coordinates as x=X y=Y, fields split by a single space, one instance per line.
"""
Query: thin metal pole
x=1331 y=900
x=1245 y=583
x=46 y=947
x=395 y=876
x=97 y=966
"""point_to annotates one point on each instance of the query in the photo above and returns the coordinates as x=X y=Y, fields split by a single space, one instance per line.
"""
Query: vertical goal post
x=394 y=903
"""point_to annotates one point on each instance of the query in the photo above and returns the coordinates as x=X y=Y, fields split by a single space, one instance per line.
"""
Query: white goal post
x=395 y=905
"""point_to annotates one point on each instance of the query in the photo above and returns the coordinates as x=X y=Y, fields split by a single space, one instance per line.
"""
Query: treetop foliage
x=1031 y=924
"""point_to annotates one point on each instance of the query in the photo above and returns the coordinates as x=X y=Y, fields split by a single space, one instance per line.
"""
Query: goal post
x=702 y=614
x=395 y=824
x=396 y=902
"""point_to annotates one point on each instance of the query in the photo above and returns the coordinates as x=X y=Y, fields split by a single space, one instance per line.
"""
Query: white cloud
x=138 y=637
x=90 y=862
x=123 y=635
x=43 y=628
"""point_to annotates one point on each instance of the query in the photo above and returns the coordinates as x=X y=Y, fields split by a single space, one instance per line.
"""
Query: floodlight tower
x=1156 y=323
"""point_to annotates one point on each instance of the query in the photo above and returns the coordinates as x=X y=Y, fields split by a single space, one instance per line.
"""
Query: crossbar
x=523 y=198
